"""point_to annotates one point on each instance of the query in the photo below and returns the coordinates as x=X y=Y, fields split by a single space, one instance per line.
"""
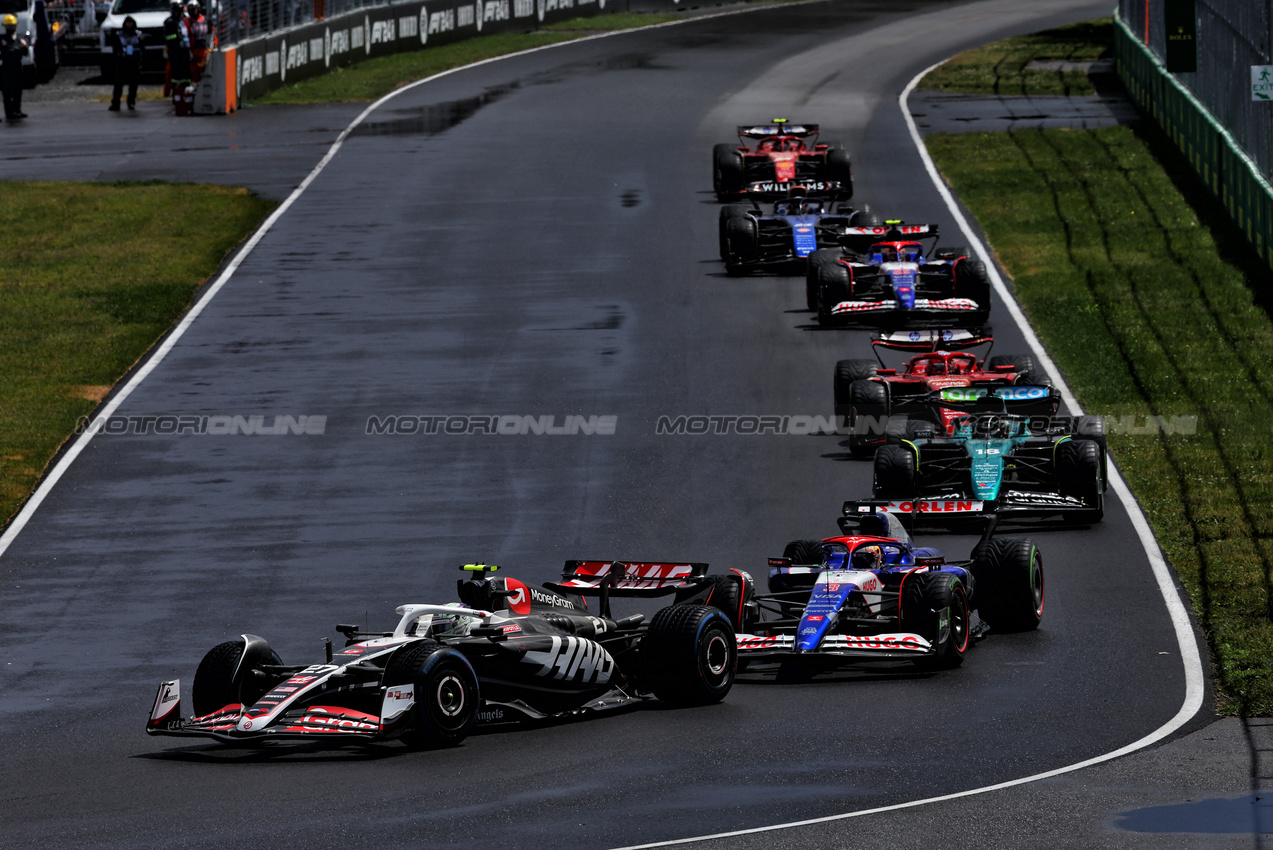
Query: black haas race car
x=895 y=281
x=505 y=652
x=751 y=240
x=785 y=154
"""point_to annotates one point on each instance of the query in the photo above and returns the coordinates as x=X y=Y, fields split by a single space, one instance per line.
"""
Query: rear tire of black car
x=840 y=168
x=447 y=696
x=867 y=415
x=813 y=263
x=894 y=472
x=972 y=282
x=1010 y=588
x=833 y=288
x=925 y=600
x=690 y=655
x=740 y=235
x=727 y=171
x=1078 y=472
x=215 y=685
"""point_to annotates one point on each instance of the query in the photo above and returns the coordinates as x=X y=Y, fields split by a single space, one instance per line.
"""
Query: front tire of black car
x=689 y=655
x=1009 y=573
x=833 y=288
x=447 y=696
x=894 y=472
x=730 y=595
x=926 y=601
x=215 y=684
x=813 y=263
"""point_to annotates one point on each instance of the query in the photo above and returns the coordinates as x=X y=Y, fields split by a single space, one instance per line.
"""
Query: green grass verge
x=91 y=275
x=1001 y=68
x=1146 y=301
x=375 y=78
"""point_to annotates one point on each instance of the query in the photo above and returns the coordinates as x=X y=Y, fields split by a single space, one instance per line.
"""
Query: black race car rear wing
x=867 y=516
x=608 y=579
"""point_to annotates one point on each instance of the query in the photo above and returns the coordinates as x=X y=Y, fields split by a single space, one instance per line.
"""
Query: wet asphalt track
x=552 y=254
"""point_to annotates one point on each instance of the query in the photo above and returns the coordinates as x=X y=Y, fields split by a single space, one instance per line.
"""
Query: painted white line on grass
x=158 y=354
x=1189 y=654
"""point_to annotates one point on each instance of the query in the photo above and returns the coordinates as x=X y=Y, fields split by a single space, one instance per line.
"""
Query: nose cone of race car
x=903 y=286
x=987 y=466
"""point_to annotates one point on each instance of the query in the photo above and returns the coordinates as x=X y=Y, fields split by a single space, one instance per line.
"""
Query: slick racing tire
x=727 y=171
x=867 y=415
x=741 y=237
x=833 y=288
x=865 y=218
x=813 y=263
x=895 y=475
x=730 y=595
x=689 y=655
x=215 y=682
x=1093 y=428
x=803 y=553
x=726 y=213
x=1009 y=590
x=1027 y=368
x=935 y=606
x=972 y=282
x=446 y=694
x=1078 y=472
x=840 y=168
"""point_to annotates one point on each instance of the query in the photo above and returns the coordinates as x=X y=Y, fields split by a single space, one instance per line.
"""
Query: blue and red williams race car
x=785 y=154
x=872 y=595
x=896 y=282
x=505 y=652
x=751 y=240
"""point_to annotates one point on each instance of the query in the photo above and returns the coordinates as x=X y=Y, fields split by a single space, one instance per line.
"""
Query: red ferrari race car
x=868 y=395
x=896 y=281
x=785 y=153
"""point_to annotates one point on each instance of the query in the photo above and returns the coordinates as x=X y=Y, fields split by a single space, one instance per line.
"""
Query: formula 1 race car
x=786 y=153
x=868 y=396
x=872 y=595
x=505 y=652
x=752 y=240
x=1009 y=464
x=895 y=282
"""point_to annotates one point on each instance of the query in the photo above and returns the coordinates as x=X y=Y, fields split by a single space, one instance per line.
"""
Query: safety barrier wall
x=1232 y=175
x=254 y=66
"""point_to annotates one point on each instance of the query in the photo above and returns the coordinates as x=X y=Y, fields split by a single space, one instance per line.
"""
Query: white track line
x=1189 y=655
x=158 y=354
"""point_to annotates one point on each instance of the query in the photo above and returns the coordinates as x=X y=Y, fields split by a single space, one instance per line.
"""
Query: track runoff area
x=740 y=76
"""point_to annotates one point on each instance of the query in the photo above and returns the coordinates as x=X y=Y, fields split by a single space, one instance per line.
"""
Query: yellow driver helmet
x=10 y=20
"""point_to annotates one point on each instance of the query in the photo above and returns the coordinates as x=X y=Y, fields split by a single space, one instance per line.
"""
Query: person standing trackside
x=177 y=50
x=128 y=50
x=12 y=49
x=197 y=36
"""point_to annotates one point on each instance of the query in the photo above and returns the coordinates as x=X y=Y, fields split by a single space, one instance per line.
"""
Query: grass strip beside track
x=374 y=78
x=1002 y=67
x=92 y=275
x=1151 y=308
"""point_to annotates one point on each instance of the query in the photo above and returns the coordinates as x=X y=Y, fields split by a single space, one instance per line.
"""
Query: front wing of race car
x=881 y=647
x=232 y=723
